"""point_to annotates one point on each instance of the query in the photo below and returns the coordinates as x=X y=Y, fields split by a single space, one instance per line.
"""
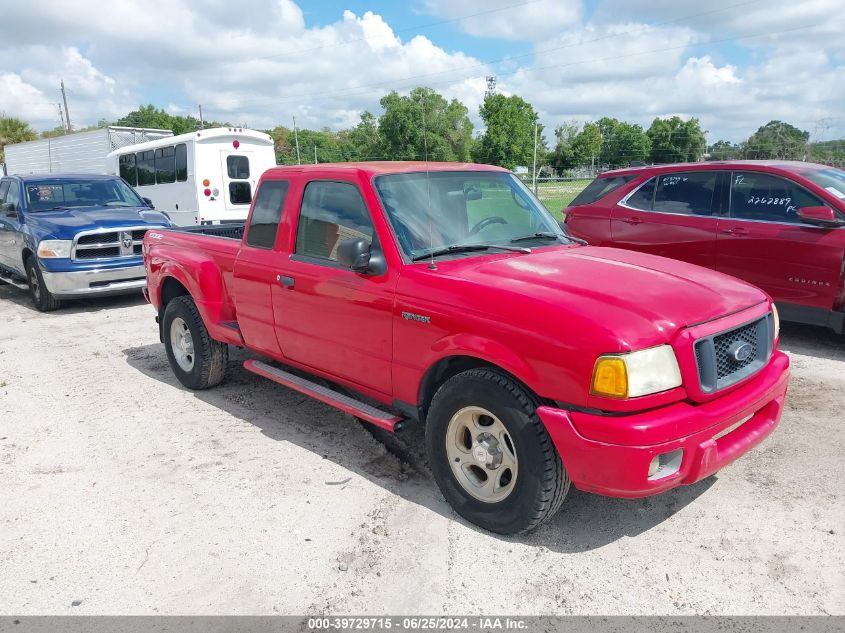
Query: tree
x=622 y=143
x=725 y=150
x=576 y=146
x=674 y=140
x=508 y=140
x=14 y=130
x=151 y=117
x=446 y=135
x=777 y=140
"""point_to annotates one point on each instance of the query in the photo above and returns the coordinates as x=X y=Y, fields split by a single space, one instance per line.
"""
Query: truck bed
x=231 y=230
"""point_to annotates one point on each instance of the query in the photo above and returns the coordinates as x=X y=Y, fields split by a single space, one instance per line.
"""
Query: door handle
x=632 y=220
x=736 y=231
x=287 y=282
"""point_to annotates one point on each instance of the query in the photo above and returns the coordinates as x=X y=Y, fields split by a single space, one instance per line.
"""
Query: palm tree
x=14 y=130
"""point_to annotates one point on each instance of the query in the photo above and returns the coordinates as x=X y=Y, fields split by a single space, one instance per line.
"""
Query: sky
x=734 y=64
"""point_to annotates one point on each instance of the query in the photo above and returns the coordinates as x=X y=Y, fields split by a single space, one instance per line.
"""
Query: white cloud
x=528 y=20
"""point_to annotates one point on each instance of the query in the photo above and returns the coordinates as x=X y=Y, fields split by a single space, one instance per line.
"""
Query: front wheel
x=491 y=455
x=197 y=360
x=42 y=298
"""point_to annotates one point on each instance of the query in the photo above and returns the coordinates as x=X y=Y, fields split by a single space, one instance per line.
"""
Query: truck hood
x=65 y=223
x=665 y=292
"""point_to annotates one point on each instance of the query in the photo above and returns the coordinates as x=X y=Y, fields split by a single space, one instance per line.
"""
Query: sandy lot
x=122 y=493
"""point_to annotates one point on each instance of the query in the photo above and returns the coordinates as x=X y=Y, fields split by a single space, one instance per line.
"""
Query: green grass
x=556 y=196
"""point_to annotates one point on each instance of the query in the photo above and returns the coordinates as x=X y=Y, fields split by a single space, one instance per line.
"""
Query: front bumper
x=98 y=282
x=619 y=468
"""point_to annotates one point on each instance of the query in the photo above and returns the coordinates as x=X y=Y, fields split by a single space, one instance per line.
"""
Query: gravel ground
x=123 y=493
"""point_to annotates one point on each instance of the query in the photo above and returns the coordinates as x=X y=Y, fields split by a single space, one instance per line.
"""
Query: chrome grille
x=109 y=244
x=725 y=358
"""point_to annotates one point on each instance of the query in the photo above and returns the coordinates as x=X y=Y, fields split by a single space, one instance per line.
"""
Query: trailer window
x=240 y=192
x=264 y=221
x=145 y=163
x=238 y=167
x=181 y=162
x=165 y=160
x=127 y=169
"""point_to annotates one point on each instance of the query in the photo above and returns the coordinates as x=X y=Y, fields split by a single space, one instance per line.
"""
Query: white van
x=203 y=177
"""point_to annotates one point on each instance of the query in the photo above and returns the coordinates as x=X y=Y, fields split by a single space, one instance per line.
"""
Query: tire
x=198 y=361
x=508 y=502
x=42 y=299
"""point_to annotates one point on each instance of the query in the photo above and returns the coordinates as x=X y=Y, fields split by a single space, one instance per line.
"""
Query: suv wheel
x=490 y=453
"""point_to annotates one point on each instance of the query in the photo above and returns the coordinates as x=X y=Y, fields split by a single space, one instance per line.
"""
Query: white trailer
x=78 y=153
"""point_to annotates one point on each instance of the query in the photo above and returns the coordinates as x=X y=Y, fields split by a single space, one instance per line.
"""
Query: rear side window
x=642 y=198
x=237 y=167
x=331 y=212
x=599 y=188
x=264 y=222
x=687 y=193
x=240 y=192
x=768 y=198
x=127 y=169
x=181 y=162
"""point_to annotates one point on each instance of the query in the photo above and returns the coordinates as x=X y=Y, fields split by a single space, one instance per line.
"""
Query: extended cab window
x=331 y=212
x=688 y=193
x=264 y=221
x=768 y=198
x=599 y=188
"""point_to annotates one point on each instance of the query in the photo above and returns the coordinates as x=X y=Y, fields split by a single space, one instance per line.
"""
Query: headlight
x=776 y=319
x=54 y=248
x=637 y=373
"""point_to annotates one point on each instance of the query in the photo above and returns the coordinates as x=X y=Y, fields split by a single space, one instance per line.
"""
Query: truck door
x=238 y=182
x=764 y=242
x=328 y=317
x=670 y=215
x=11 y=236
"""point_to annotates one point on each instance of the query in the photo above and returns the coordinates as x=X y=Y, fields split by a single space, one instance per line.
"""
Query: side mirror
x=820 y=216
x=149 y=203
x=9 y=210
x=354 y=253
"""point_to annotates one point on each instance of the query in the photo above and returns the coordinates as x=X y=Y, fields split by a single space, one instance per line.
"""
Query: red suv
x=777 y=224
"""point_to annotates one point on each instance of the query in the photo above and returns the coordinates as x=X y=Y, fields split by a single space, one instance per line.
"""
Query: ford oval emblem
x=741 y=351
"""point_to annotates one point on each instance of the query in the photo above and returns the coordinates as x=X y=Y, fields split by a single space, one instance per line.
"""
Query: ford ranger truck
x=446 y=295
x=68 y=237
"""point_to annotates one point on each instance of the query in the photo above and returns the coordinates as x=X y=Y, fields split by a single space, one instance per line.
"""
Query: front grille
x=125 y=242
x=728 y=357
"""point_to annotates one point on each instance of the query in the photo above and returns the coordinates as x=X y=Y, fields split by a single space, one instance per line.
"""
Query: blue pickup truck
x=66 y=237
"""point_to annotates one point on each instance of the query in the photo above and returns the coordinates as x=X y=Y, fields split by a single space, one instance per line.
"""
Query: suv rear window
x=599 y=188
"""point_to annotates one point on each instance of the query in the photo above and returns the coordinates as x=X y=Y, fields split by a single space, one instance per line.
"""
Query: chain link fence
x=556 y=193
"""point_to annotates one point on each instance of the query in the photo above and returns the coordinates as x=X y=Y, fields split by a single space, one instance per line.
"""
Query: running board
x=17 y=284
x=349 y=405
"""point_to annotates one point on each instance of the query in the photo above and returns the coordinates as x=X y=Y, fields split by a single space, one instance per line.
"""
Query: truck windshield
x=431 y=212
x=56 y=194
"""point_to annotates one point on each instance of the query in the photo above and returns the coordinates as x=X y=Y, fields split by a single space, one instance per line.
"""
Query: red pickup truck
x=446 y=295
x=779 y=225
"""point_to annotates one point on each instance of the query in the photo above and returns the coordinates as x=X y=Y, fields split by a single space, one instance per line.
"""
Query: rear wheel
x=43 y=300
x=490 y=453
x=197 y=360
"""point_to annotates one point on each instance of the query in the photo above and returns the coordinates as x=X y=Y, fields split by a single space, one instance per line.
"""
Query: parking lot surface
x=123 y=493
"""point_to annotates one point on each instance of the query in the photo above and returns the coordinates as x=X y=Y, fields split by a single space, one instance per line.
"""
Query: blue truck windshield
x=55 y=194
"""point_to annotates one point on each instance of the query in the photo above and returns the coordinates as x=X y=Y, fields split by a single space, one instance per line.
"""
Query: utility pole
x=534 y=169
x=296 y=140
x=67 y=112
x=62 y=117
x=202 y=123
x=315 y=153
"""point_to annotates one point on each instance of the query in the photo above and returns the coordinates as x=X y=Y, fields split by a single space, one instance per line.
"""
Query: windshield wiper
x=540 y=235
x=468 y=248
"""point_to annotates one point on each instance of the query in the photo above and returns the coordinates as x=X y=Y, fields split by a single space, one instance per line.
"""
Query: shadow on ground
x=810 y=340
x=75 y=306
x=585 y=522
